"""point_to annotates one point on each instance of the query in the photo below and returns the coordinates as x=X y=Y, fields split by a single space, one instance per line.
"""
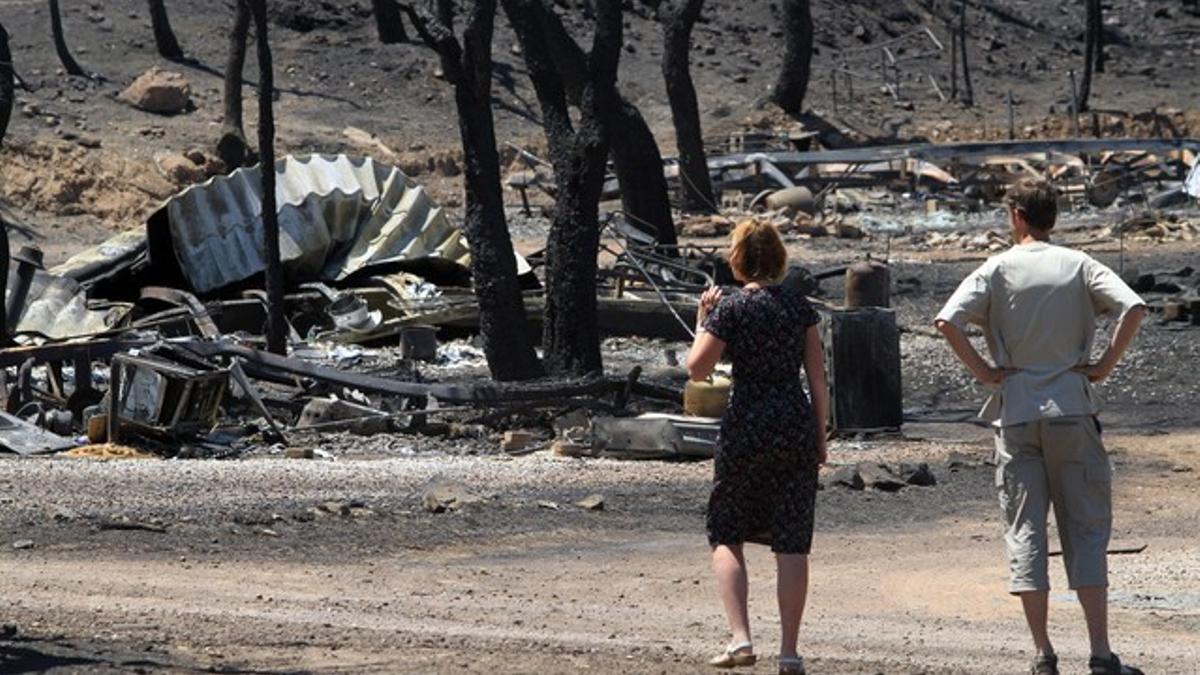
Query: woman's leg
x=793 y=591
x=733 y=583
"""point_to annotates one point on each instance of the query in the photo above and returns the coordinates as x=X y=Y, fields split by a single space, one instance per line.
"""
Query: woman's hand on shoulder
x=709 y=300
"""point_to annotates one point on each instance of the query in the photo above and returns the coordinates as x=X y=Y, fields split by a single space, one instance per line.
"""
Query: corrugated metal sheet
x=57 y=308
x=336 y=215
x=1192 y=184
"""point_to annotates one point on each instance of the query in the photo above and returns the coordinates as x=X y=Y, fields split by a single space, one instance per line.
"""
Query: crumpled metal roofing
x=57 y=307
x=337 y=214
x=1192 y=184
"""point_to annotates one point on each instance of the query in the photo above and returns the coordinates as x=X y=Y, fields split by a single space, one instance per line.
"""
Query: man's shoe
x=1111 y=666
x=1045 y=664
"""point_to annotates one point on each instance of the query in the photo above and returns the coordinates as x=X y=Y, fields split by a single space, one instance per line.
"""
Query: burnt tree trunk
x=635 y=155
x=69 y=63
x=968 y=90
x=8 y=90
x=1090 y=49
x=388 y=22
x=571 y=338
x=164 y=37
x=678 y=17
x=276 y=324
x=232 y=147
x=468 y=66
x=1099 y=28
x=792 y=85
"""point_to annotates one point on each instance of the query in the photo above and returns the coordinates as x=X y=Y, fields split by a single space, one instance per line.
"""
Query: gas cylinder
x=706 y=399
x=868 y=284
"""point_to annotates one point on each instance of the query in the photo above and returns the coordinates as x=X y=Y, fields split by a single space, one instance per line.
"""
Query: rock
x=920 y=475
x=197 y=156
x=576 y=419
x=880 y=477
x=847 y=476
x=846 y=231
x=448 y=497
x=179 y=169
x=358 y=419
x=547 y=504
x=335 y=507
x=594 y=502
x=298 y=453
x=22 y=544
x=516 y=440
x=159 y=91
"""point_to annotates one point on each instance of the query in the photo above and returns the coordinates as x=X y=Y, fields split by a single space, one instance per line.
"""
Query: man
x=1037 y=304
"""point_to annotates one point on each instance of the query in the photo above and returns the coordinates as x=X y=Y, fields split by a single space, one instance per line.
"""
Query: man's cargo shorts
x=1057 y=461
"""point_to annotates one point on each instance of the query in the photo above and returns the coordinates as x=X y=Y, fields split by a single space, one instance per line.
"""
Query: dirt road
x=246 y=576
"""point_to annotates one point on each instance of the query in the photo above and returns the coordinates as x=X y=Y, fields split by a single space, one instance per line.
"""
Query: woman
x=772 y=440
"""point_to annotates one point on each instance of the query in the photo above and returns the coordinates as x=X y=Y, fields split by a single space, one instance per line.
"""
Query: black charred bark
x=232 y=147
x=635 y=154
x=571 y=338
x=468 y=66
x=388 y=22
x=164 y=37
x=792 y=85
x=276 y=323
x=968 y=89
x=8 y=91
x=678 y=17
x=69 y=63
x=1091 y=49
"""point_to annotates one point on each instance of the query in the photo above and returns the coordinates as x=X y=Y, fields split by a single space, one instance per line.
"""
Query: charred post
x=232 y=147
x=635 y=154
x=1091 y=51
x=8 y=89
x=164 y=37
x=276 y=324
x=792 y=85
x=468 y=67
x=69 y=63
x=571 y=337
x=968 y=90
x=388 y=22
x=678 y=17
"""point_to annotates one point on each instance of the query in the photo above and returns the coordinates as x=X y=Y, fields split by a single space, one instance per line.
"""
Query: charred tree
x=164 y=37
x=792 y=85
x=968 y=90
x=678 y=17
x=635 y=155
x=276 y=324
x=388 y=22
x=69 y=63
x=1091 y=50
x=232 y=147
x=8 y=89
x=571 y=338
x=468 y=67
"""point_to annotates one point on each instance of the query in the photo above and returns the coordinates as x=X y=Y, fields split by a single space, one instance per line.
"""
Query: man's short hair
x=1036 y=199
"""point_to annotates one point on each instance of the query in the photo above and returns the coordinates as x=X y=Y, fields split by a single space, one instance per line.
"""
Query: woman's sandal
x=791 y=665
x=734 y=656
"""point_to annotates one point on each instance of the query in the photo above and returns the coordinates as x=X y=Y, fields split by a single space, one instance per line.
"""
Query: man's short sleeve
x=1110 y=295
x=970 y=301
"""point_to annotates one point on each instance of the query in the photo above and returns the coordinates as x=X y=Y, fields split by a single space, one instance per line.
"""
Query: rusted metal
x=164 y=396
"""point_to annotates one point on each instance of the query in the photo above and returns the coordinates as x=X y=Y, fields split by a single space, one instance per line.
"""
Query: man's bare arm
x=965 y=351
x=1122 y=337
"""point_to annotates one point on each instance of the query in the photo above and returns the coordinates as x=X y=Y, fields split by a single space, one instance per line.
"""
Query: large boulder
x=159 y=91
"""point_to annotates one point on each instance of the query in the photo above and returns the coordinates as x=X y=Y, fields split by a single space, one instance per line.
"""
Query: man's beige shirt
x=1037 y=305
